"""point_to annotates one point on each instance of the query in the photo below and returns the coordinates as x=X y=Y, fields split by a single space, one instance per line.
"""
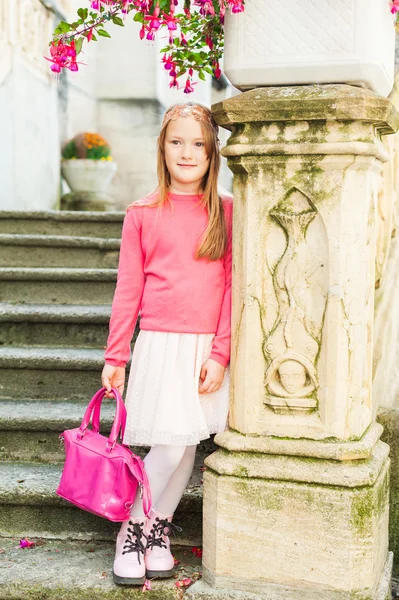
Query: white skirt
x=162 y=400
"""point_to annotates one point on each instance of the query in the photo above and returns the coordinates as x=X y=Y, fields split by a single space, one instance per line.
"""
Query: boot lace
x=133 y=541
x=161 y=528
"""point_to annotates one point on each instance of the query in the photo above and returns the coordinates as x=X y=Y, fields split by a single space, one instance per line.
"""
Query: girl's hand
x=211 y=376
x=113 y=377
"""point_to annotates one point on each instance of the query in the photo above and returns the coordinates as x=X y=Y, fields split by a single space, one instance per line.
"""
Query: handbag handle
x=144 y=485
x=95 y=422
x=119 y=420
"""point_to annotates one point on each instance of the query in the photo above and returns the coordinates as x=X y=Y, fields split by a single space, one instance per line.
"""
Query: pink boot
x=129 y=566
x=159 y=561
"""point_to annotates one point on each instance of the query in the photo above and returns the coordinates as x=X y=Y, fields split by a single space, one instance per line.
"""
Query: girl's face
x=185 y=155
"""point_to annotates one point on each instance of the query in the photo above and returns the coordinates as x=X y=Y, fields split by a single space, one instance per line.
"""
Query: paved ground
x=62 y=570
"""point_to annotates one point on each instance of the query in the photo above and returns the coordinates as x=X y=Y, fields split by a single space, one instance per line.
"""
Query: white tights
x=169 y=470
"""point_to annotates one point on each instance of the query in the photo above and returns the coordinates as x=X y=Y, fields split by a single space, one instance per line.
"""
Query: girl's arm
x=221 y=343
x=128 y=293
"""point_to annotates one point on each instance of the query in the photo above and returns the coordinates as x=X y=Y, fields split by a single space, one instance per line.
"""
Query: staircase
x=57 y=277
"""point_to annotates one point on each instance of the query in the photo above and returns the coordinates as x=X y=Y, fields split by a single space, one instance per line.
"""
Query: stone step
x=54 y=325
x=57 y=285
x=50 y=373
x=29 y=507
x=55 y=222
x=29 y=430
x=70 y=570
x=17 y=250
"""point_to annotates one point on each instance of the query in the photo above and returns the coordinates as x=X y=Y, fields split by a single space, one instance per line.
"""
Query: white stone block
x=311 y=41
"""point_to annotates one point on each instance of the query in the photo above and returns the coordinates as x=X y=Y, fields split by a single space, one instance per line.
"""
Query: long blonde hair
x=213 y=242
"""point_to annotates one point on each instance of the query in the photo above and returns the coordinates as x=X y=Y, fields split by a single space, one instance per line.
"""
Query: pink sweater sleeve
x=128 y=293
x=221 y=343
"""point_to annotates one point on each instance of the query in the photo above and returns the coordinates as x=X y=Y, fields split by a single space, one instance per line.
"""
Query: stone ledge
x=57 y=274
x=59 y=241
x=331 y=449
x=349 y=474
x=56 y=215
x=78 y=359
x=308 y=103
x=54 y=313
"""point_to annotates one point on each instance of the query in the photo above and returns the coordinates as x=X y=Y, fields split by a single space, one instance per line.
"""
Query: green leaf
x=93 y=38
x=103 y=33
x=201 y=75
x=78 y=45
x=138 y=17
x=118 y=21
x=83 y=12
x=63 y=27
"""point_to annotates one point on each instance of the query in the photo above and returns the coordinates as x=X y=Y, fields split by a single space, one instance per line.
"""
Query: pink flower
x=168 y=64
x=25 y=543
x=237 y=6
x=197 y=551
x=217 y=72
x=147 y=586
x=184 y=582
x=188 y=88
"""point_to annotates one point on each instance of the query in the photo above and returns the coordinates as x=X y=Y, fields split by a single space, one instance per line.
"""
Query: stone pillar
x=296 y=498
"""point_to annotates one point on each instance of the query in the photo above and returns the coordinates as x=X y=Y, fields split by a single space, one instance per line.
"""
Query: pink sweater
x=159 y=276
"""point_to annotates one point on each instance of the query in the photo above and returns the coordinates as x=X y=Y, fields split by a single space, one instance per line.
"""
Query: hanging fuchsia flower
x=394 y=6
x=168 y=64
x=154 y=22
x=188 y=87
x=170 y=20
x=236 y=6
x=190 y=29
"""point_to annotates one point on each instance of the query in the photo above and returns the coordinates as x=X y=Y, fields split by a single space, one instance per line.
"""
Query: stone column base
x=290 y=528
x=203 y=591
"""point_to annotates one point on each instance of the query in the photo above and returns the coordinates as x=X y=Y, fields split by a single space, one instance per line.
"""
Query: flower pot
x=311 y=41
x=86 y=175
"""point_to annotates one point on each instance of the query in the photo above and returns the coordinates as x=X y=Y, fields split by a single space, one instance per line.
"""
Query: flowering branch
x=195 y=36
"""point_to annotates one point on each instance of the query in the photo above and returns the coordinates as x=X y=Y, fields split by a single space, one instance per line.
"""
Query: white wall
x=29 y=130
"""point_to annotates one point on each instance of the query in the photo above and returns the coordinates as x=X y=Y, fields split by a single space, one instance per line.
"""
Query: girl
x=175 y=267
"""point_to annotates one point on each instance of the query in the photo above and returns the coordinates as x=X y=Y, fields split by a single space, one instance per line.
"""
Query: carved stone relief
x=25 y=27
x=291 y=347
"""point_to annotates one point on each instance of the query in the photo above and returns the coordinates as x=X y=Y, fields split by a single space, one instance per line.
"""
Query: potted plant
x=88 y=168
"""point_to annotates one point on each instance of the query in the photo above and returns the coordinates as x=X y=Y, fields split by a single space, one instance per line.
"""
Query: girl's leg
x=129 y=566
x=160 y=464
x=159 y=559
x=170 y=497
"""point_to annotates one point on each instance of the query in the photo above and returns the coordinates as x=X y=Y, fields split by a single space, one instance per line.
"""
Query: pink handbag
x=99 y=475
